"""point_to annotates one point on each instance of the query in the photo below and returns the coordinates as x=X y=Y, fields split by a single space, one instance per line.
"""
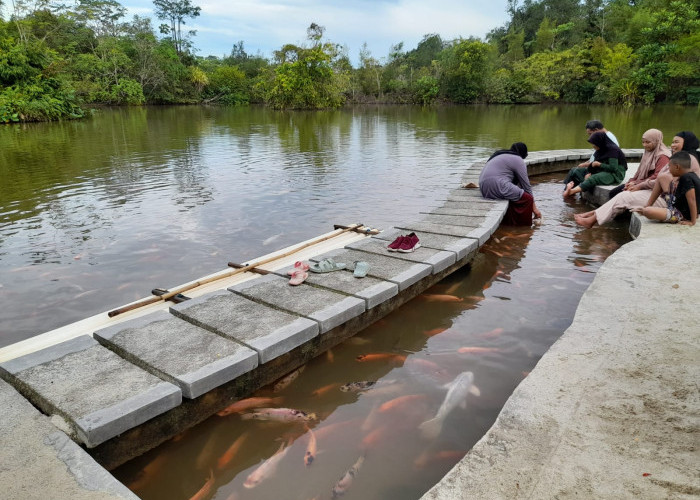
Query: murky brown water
x=494 y=319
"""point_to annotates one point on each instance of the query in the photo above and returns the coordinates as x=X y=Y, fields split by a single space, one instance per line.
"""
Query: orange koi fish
x=477 y=350
x=399 y=402
x=329 y=356
x=246 y=404
x=385 y=356
x=374 y=437
x=424 y=363
x=326 y=388
x=231 y=452
x=434 y=331
x=496 y=332
x=439 y=297
x=206 y=489
x=427 y=457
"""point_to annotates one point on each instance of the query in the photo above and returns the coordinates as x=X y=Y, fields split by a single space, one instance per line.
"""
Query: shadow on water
x=494 y=318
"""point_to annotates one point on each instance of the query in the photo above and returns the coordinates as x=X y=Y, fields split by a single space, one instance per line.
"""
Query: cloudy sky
x=266 y=25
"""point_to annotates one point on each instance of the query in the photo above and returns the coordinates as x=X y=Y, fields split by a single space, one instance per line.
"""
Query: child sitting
x=683 y=197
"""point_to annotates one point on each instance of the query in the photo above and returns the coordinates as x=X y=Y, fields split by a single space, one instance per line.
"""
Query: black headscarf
x=517 y=148
x=690 y=143
x=606 y=149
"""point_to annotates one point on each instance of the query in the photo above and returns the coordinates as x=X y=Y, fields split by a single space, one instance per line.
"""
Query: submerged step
x=329 y=309
x=268 y=331
x=190 y=357
x=97 y=393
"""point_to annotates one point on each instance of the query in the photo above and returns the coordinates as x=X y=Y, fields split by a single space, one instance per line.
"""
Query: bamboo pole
x=184 y=288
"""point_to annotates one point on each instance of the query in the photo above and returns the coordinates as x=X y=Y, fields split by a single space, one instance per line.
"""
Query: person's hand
x=634 y=187
x=537 y=213
x=638 y=210
x=687 y=223
x=585 y=164
x=587 y=176
x=595 y=164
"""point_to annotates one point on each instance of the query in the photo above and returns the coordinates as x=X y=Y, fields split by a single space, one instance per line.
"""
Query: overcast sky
x=266 y=25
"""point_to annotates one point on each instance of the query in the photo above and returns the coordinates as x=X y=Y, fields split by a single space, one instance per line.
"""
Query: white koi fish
x=266 y=469
x=279 y=415
x=458 y=389
x=341 y=487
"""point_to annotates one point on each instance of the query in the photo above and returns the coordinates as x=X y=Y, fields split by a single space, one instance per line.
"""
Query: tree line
x=56 y=61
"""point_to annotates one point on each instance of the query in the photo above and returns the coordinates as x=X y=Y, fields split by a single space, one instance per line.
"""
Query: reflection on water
x=495 y=319
x=96 y=213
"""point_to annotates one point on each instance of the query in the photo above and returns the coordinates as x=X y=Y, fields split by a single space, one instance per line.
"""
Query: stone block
x=190 y=357
x=402 y=272
x=98 y=394
x=267 y=330
x=439 y=260
x=328 y=308
x=372 y=290
x=462 y=247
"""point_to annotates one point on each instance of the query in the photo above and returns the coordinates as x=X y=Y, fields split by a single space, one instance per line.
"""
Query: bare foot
x=569 y=187
x=587 y=222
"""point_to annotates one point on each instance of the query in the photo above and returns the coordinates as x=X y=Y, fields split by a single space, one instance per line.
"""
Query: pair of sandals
x=301 y=269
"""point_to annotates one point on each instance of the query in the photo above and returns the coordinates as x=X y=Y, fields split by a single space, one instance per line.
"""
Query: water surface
x=98 y=212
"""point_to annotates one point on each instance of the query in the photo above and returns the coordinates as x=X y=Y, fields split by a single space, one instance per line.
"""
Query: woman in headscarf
x=654 y=159
x=608 y=167
x=635 y=192
x=504 y=177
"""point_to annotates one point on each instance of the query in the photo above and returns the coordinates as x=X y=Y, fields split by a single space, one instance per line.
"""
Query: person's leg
x=657 y=213
x=598 y=179
x=614 y=192
x=587 y=221
x=519 y=212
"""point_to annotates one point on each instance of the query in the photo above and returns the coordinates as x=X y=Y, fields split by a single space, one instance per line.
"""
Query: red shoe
x=409 y=243
x=394 y=245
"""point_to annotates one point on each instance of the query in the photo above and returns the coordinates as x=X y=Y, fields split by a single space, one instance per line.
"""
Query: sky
x=266 y=25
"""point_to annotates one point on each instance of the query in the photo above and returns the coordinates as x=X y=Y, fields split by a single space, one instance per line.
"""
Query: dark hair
x=682 y=159
x=690 y=142
x=594 y=125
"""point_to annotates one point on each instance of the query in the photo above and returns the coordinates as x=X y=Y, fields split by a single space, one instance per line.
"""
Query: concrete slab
x=455 y=220
x=99 y=394
x=194 y=359
x=373 y=291
x=473 y=210
x=329 y=309
x=40 y=462
x=399 y=271
x=438 y=259
x=462 y=247
x=479 y=233
x=268 y=331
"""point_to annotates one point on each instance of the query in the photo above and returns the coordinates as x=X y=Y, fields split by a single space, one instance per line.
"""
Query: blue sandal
x=361 y=269
x=326 y=266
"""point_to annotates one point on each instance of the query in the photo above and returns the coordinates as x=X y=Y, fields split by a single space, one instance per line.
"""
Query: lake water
x=96 y=213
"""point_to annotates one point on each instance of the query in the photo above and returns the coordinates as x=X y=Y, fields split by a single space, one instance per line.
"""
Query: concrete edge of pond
x=37 y=446
x=611 y=410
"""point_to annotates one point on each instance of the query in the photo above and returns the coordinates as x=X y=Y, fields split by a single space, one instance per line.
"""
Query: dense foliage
x=57 y=60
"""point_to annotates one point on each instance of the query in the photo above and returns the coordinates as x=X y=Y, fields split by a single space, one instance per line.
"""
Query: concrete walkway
x=612 y=410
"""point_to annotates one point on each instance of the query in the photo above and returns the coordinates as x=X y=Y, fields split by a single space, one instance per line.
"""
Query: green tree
x=176 y=12
x=465 y=70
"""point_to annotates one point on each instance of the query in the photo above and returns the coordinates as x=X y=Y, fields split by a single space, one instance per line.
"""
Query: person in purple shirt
x=504 y=177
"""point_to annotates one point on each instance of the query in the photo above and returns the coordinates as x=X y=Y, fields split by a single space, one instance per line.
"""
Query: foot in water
x=587 y=221
x=569 y=187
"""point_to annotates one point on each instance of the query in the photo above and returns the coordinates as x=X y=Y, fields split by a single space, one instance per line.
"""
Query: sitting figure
x=608 y=167
x=504 y=177
x=682 y=198
x=636 y=191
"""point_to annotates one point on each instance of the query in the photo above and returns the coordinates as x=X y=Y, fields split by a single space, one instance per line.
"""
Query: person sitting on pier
x=635 y=192
x=592 y=126
x=504 y=177
x=682 y=198
x=608 y=167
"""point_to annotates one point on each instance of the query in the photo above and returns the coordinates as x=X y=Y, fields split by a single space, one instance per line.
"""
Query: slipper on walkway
x=298 y=266
x=298 y=277
x=326 y=266
x=361 y=269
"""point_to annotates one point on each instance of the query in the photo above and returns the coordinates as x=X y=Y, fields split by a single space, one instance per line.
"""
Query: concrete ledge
x=462 y=247
x=329 y=309
x=40 y=462
x=372 y=290
x=439 y=260
x=99 y=394
x=190 y=357
x=611 y=410
x=267 y=331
